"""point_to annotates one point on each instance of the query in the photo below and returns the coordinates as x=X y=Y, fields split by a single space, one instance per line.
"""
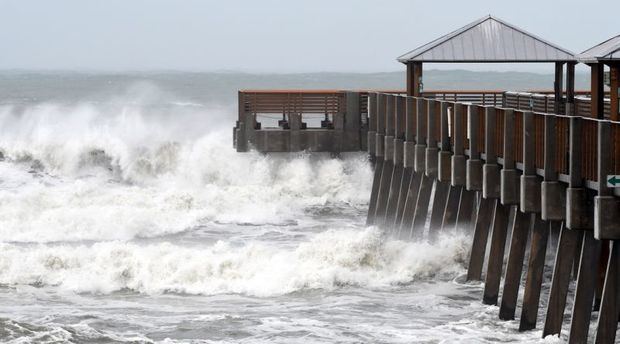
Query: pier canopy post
x=414 y=79
x=597 y=91
x=614 y=89
x=558 y=86
x=570 y=89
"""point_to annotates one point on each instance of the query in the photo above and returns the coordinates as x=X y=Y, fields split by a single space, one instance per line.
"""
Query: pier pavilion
x=541 y=166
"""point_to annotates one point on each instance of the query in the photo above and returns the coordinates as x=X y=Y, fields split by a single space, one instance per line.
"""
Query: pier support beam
x=496 y=254
x=535 y=269
x=388 y=163
x=562 y=268
x=514 y=267
x=584 y=292
x=426 y=184
x=397 y=173
x=530 y=203
x=380 y=161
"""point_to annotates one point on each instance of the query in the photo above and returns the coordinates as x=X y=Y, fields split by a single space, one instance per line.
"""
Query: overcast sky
x=269 y=35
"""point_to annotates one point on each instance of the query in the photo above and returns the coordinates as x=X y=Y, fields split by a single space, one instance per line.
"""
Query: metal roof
x=488 y=39
x=608 y=51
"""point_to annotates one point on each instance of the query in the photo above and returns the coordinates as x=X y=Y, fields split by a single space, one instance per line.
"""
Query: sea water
x=127 y=216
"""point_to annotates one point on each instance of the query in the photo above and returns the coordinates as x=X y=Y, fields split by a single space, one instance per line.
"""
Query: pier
x=537 y=167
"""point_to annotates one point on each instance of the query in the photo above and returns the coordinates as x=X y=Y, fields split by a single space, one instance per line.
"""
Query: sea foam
x=331 y=259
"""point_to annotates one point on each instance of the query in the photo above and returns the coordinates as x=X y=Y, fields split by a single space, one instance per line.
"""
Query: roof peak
x=486 y=42
x=606 y=50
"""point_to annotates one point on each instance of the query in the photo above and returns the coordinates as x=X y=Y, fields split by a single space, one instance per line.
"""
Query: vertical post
x=606 y=220
x=445 y=171
x=241 y=138
x=372 y=126
x=426 y=184
x=432 y=167
x=414 y=79
x=388 y=161
x=379 y=153
x=410 y=160
x=352 y=122
x=564 y=258
x=584 y=293
x=490 y=195
x=570 y=88
x=397 y=172
x=530 y=203
x=614 y=88
x=597 y=92
x=558 y=86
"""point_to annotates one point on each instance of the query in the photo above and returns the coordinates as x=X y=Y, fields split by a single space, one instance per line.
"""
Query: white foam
x=331 y=259
x=120 y=172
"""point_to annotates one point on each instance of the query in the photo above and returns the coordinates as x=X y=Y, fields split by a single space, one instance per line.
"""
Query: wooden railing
x=543 y=101
x=557 y=126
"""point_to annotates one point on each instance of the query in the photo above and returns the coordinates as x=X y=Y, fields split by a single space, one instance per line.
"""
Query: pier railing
x=543 y=101
x=548 y=134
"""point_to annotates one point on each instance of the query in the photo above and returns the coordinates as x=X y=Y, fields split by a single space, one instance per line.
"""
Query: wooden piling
x=479 y=242
x=388 y=165
x=452 y=208
x=514 y=267
x=562 y=268
x=406 y=206
x=426 y=184
x=496 y=254
x=379 y=118
x=584 y=293
x=610 y=303
x=534 y=277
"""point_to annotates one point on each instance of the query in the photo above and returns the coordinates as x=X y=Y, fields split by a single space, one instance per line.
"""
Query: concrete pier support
x=426 y=183
x=433 y=166
x=398 y=159
x=521 y=223
x=562 y=268
x=372 y=127
x=496 y=254
x=530 y=203
x=388 y=164
x=607 y=227
x=584 y=292
x=413 y=184
x=610 y=303
x=380 y=161
x=534 y=277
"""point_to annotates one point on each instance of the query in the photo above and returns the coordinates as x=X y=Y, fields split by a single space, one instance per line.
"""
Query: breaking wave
x=330 y=260
x=117 y=172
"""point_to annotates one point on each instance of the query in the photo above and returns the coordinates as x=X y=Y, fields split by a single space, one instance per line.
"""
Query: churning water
x=128 y=217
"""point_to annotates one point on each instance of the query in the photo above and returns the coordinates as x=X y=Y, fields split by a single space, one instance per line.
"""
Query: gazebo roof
x=488 y=39
x=606 y=51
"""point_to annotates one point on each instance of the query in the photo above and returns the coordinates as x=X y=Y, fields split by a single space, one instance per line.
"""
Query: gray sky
x=269 y=35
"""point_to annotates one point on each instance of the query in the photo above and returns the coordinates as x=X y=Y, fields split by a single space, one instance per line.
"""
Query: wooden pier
x=529 y=166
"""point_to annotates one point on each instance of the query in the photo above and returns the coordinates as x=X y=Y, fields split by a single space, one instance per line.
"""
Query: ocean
x=127 y=217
